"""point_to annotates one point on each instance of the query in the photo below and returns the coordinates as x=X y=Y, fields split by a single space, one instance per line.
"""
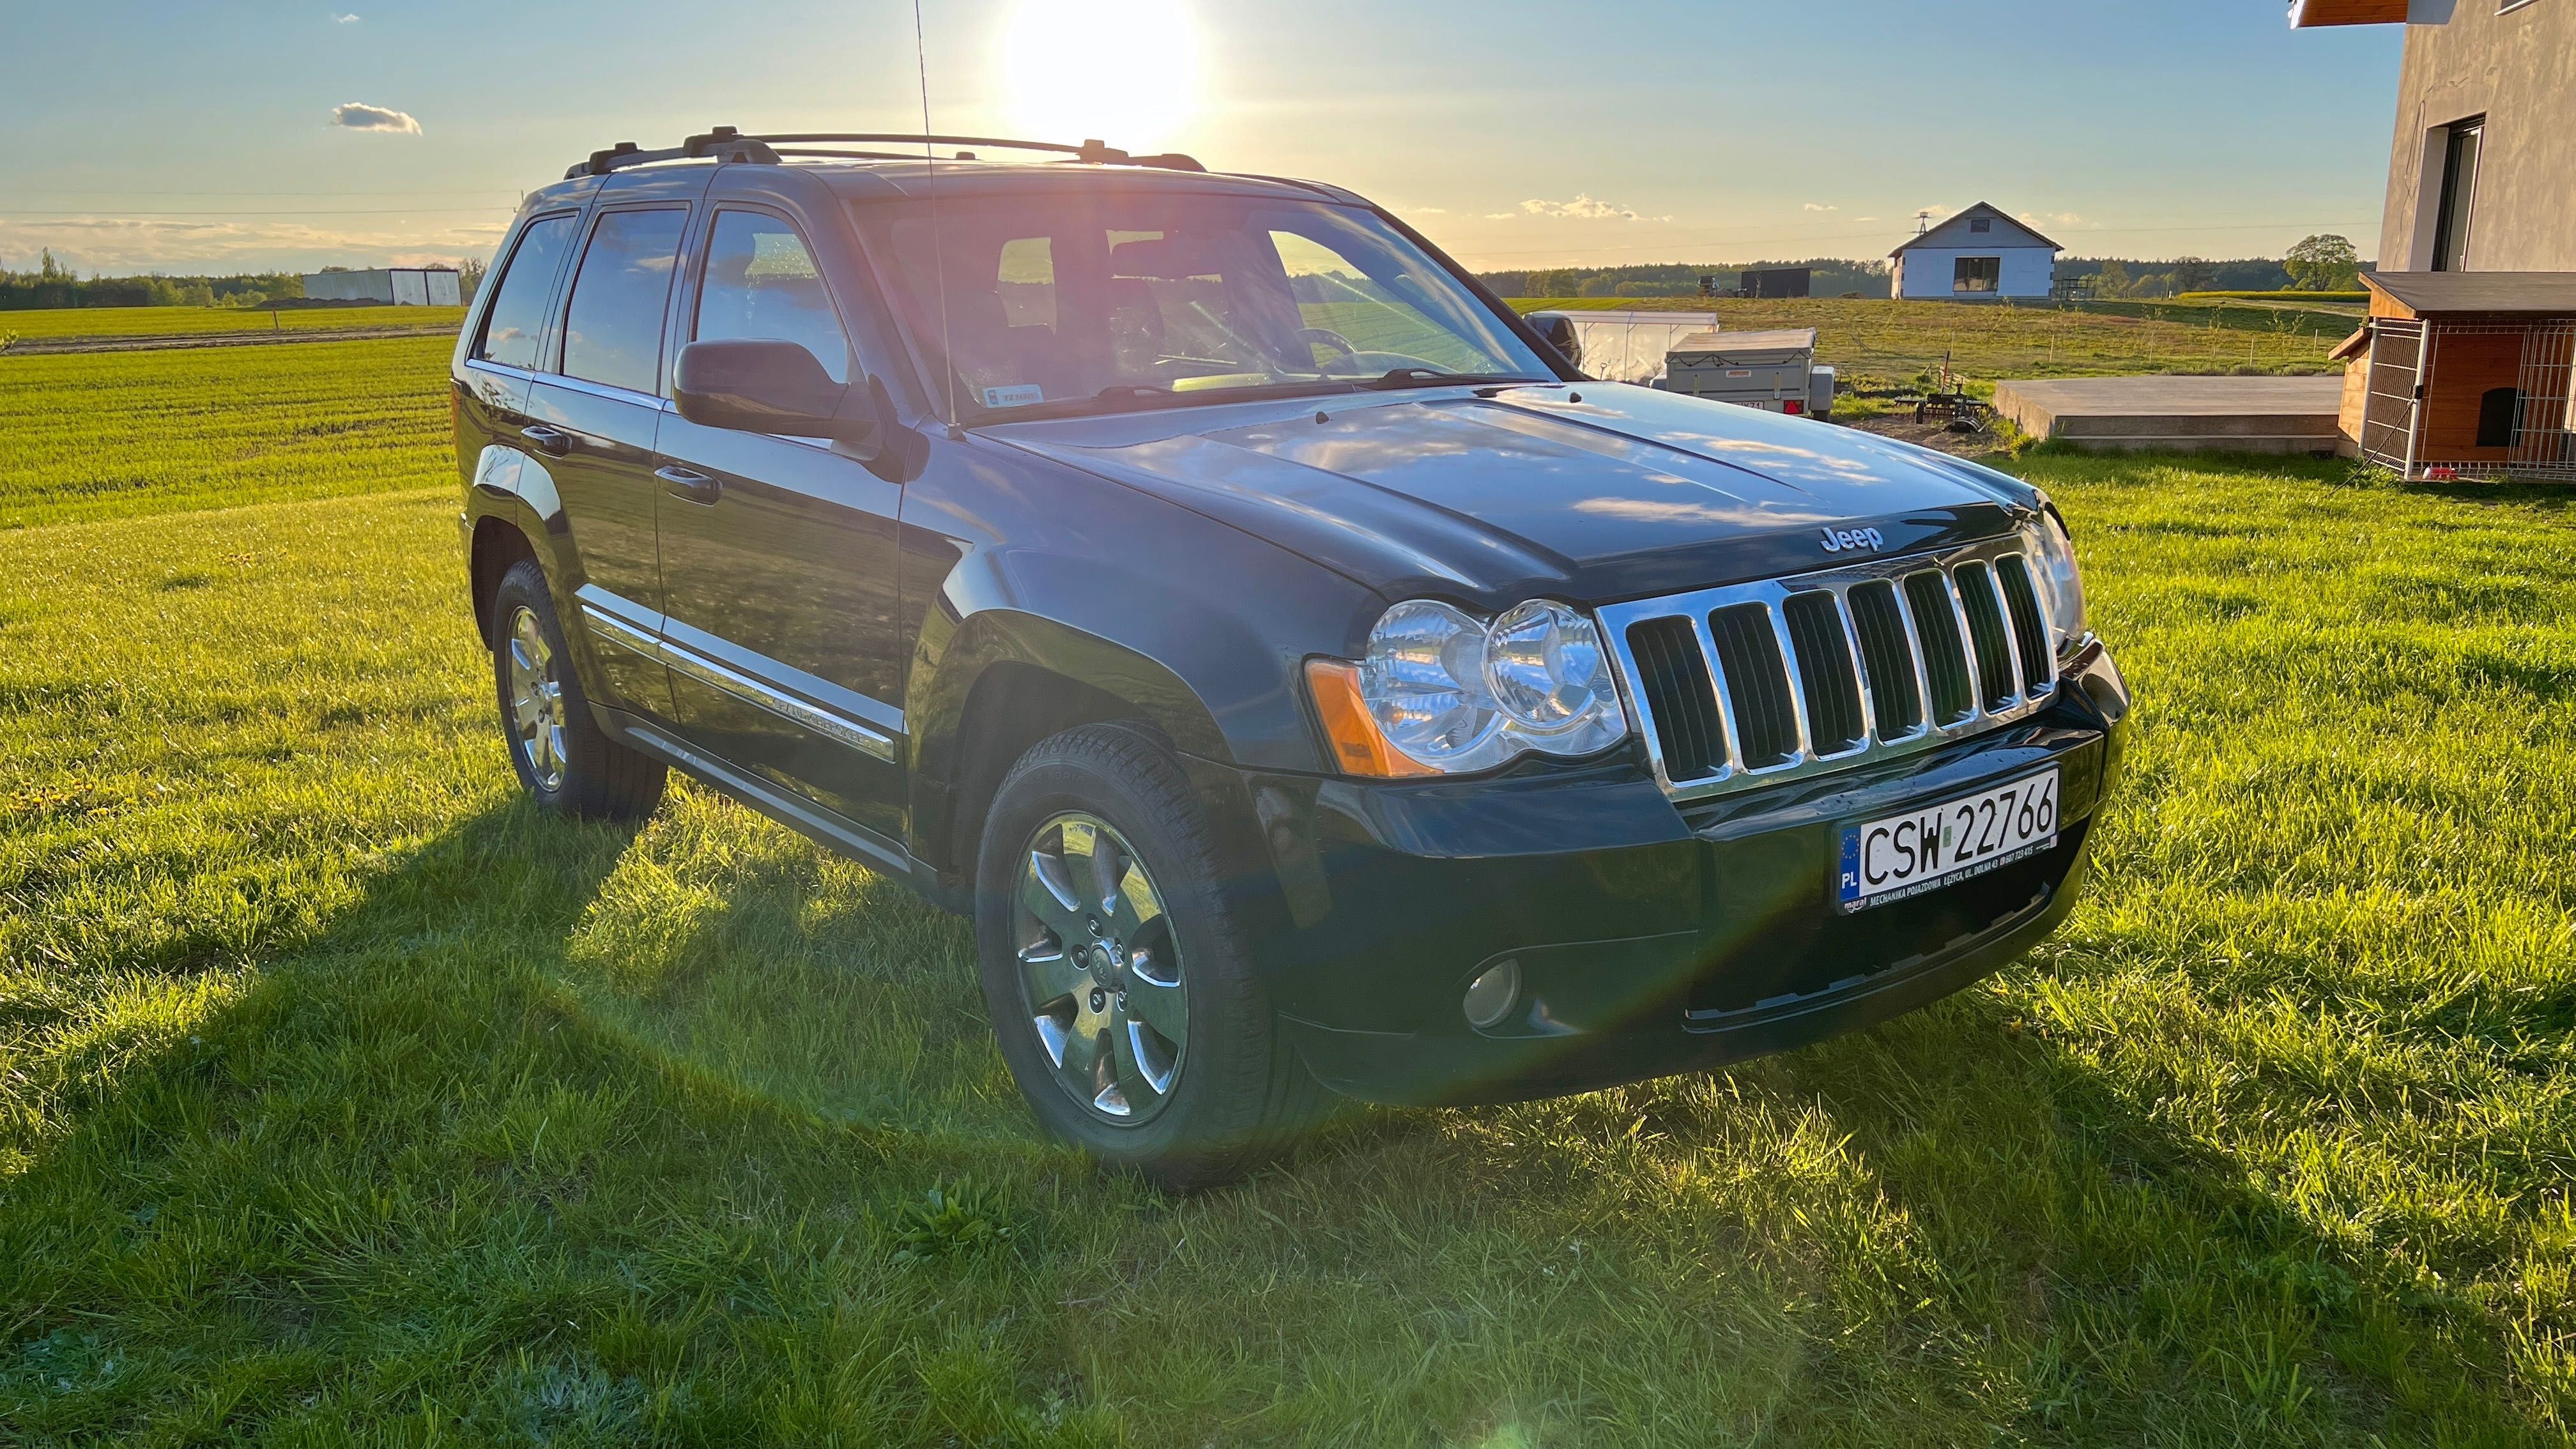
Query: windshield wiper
x=1433 y=377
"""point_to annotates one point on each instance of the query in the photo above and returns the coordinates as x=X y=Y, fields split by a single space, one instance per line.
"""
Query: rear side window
x=613 y=329
x=762 y=283
x=519 y=309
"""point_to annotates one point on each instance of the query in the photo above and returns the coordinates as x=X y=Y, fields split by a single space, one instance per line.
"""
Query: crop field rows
x=94 y=436
x=343 y=1096
x=192 y=321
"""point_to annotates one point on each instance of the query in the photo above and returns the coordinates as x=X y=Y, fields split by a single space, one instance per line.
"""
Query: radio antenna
x=938 y=243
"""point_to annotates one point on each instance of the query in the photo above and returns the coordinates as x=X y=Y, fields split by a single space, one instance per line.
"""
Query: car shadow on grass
x=2116 y=1217
x=566 y=1132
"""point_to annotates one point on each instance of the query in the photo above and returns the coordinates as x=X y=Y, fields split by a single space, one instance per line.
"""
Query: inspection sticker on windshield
x=1018 y=395
x=1906 y=855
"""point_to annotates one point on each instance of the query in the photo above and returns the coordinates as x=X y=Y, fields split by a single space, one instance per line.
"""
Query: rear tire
x=561 y=755
x=1117 y=980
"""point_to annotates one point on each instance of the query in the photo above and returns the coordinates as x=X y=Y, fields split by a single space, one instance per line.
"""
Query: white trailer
x=1774 y=371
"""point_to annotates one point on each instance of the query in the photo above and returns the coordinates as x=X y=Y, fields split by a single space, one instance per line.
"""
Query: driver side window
x=1335 y=297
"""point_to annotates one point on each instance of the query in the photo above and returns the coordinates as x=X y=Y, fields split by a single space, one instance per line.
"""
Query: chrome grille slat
x=1941 y=636
x=1739 y=686
x=1829 y=679
x=1891 y=679
x=2029 y=625
x=1752 y=659
x=1998 y=672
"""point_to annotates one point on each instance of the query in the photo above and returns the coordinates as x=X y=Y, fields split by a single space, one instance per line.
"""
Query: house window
x=2459 y=196
x=1982 y=226
x=1978 y=274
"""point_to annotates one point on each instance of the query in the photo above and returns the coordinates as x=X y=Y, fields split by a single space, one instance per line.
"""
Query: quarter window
x=1978 y=274
x=511 y=329
x=762 y=283
x=613 y=327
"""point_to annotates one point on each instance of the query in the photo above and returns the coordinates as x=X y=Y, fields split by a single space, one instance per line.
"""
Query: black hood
x=1592 y=492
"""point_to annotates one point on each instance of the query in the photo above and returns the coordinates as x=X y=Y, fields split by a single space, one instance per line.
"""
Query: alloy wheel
x=1101 y=969
x=536 y=699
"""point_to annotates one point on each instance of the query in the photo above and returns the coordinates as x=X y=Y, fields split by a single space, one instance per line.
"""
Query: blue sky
x=153 y=134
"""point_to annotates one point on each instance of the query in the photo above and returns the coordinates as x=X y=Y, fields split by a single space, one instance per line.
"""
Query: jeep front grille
x=1751 y=683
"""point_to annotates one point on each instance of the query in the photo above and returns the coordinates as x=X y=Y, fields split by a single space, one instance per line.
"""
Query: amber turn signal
x=1358 y=745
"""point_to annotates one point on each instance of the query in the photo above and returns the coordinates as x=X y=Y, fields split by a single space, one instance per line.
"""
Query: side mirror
x=1557 y=330
x=761 y=385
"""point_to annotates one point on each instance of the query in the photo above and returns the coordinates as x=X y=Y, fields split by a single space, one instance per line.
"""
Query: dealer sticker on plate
x=1921 y=850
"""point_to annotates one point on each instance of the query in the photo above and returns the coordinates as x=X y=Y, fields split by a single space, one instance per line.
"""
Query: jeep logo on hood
x=1853 y=540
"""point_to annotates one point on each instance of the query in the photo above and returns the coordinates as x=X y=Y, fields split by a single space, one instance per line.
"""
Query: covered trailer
x=1619 y=346
x=1774 y=371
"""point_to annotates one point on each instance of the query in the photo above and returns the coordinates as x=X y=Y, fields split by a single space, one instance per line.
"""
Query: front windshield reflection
x=1087 y=300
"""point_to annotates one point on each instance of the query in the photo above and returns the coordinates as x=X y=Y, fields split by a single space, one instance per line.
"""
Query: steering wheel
x=1329 y=338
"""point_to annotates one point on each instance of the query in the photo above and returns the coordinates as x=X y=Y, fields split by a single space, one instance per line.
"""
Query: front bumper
x=1650 y=939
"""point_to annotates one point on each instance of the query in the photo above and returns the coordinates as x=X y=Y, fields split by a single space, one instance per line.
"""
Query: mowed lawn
x=342 y=1097
x=106 y=434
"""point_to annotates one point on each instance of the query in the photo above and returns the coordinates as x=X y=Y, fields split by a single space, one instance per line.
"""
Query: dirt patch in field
x=1934 y=435
x=44 y=346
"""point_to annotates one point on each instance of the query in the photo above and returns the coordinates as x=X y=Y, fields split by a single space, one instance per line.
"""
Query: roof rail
x=724 y=143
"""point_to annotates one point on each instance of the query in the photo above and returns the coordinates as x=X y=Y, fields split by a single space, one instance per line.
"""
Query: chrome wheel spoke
x=1160 y=1005
x=1147 y=1064
x=1101 y=969
x=1052 y=975
x=1046 y=890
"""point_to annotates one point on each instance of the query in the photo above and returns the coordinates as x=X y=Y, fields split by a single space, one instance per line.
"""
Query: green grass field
x=343 y=1098
x=191 y=321
x=1879 y=344
x=98 y=435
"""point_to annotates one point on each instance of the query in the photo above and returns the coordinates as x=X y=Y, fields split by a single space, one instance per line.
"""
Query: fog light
x=1490 y=997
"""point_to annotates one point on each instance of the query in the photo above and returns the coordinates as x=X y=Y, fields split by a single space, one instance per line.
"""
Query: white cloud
x=1864 y=218
x=1812 y=206
x=358 y=116
x=344 y=19
x=123 y=245
x=2058 y=218
x=1584 y=208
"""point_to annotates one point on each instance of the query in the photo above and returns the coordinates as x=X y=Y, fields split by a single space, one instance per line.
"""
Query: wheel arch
x=499 y=544
x=1006 y=682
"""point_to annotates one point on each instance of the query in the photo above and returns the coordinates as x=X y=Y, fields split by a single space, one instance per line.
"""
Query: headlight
x=1442 y=692
x=2058 y=574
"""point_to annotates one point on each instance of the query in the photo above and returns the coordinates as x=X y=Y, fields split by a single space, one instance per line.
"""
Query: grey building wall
x=2518 y=69
x=375 y=284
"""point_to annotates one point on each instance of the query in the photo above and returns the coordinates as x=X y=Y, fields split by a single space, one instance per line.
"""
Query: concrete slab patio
x=2185 y=414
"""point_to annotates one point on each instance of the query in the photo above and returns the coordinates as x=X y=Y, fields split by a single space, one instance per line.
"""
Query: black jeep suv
x=1305 y=678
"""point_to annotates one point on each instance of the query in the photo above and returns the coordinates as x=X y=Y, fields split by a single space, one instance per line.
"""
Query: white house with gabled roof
x=1980 y=255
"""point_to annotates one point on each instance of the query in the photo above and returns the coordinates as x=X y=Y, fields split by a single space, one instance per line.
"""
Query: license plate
x=1922 y=850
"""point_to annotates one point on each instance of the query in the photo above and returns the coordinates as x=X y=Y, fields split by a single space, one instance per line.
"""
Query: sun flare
x=1125 y=71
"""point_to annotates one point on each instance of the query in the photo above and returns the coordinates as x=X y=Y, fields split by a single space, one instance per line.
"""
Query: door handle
x=689 y=483
x=553 y=442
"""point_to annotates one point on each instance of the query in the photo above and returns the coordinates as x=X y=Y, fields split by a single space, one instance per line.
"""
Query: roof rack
x=724 y=143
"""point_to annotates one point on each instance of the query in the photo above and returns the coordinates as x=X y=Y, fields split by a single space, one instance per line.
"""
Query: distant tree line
x=2319 y=264
x=1833 y=277
x=52 y=285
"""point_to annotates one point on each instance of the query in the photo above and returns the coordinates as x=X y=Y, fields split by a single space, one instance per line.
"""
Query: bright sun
x=1125 y=71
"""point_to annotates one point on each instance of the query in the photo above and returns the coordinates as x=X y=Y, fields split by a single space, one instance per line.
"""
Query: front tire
x=1116 y=977
x=561 y=756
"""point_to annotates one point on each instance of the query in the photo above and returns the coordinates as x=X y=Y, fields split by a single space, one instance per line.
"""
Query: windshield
x=1092 y=300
